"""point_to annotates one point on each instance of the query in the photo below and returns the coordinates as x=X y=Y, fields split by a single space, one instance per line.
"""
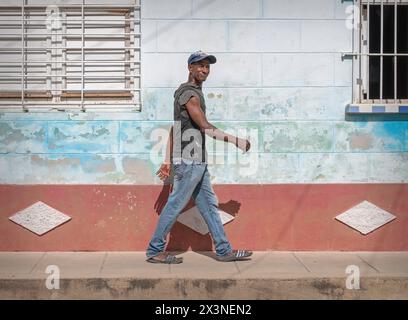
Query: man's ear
x=190 y=67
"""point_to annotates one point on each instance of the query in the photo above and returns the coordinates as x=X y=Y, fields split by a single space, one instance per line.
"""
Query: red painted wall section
x=268 y=217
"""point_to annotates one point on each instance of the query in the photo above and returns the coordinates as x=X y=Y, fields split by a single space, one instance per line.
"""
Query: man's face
x=200 y=70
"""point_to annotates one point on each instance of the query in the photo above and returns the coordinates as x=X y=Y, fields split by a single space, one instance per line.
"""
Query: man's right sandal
x=235 y=255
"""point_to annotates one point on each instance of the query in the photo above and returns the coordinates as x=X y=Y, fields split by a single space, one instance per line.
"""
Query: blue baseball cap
x=200 y=55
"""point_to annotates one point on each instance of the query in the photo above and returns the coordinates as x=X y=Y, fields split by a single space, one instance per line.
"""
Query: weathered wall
x=267 y=217
x=279 y=72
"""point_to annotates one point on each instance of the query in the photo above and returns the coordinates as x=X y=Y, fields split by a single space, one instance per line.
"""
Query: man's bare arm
x=198 y=116
x=169 y=147
x=164 y=170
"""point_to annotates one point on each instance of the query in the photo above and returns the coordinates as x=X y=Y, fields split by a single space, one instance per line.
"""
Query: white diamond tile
x=192 y=218
x=365 y=217
x=39 y=218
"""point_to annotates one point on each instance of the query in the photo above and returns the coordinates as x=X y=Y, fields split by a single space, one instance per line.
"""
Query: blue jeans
x=190 y=180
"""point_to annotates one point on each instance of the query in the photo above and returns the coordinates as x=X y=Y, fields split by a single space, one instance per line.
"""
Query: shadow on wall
x=376 y=117
x=181 y=237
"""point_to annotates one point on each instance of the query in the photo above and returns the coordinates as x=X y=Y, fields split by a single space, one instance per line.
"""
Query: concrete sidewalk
x=268 y=275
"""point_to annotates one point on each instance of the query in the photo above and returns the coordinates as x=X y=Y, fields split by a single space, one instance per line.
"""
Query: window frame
x=360 y=61
x=83 y=99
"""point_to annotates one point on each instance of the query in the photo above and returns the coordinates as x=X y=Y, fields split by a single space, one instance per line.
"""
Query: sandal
x=235 y=255
x=169 y=259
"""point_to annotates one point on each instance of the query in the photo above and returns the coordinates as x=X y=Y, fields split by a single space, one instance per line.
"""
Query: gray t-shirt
x=188 y=140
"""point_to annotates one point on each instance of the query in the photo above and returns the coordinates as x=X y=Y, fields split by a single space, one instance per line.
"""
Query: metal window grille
x=380 y=59
x=79 y=55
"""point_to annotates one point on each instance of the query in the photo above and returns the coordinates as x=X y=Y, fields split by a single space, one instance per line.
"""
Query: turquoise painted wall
x=279 y=73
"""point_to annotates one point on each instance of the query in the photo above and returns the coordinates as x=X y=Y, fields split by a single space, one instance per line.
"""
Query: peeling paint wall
x=279 y=72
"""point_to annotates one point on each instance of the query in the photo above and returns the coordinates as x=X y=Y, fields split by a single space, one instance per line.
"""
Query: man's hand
x=243 y=144
x=164 y=172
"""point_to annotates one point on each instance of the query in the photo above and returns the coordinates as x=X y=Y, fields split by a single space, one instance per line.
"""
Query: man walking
x=191 y=176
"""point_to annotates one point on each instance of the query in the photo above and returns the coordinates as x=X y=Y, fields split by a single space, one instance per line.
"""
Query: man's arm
x=169 y=147
x=198 y=116
x=164 y=170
